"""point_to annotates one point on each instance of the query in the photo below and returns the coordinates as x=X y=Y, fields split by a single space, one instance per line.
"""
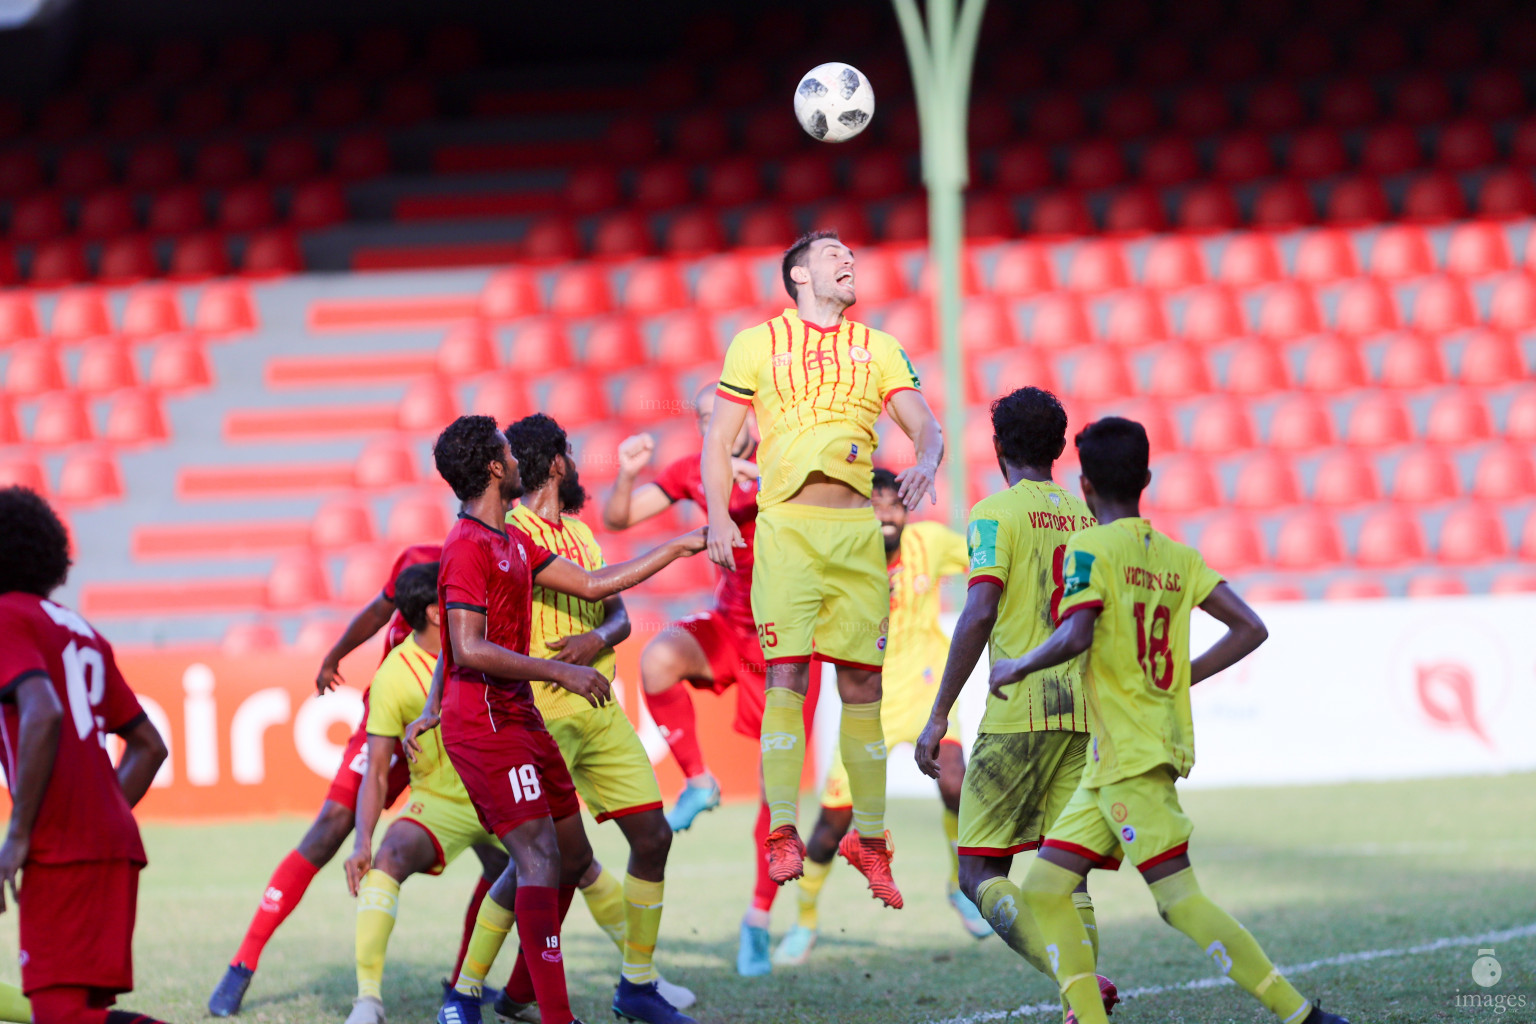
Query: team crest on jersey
x=1054 y=498
x=921 y=583
x=504 y=565
x=1119 y=812
x=859 y=354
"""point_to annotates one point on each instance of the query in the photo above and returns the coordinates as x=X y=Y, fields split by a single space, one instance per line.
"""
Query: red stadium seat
x=622 y=235
x=1300 y=423
x=225 y=307
x=1288 y=311
x=106 y=213
x=242 y=639
x=662 y=186
x=1276 y=106
x=1220 y=426
x=387 y=462
x=906 y=220
x=221 y=163
x=1135 y=318
x=20 y=172
x=1265 y=482
x=1345 y=478
x=297 y=580
x=1061 y=215
x=1201 y=110
x=1317 y=152
x=34 y=369
x=1478 y=249
x=988 y=216
x=176 y=211
x=317 y=204
x=1150 y=413
x=80 y=313
x=83 y=169
x=135 y=417
x=1332 y=365
x=1243 y=157
x=880 y=174
x=178 y=363
x=1354 y=589
x=1173 y=263
x=1433 y=198
x=1098 y=266
x=288 y=160
x=468 y=349
x=342 y=522
x=986 y=324
x=1023 y=269
x=58 y=262
x=879 y=276
x=1390 y=537
x=1095 y=164
x=152 y=165
x=37 y=218
x=1365 y=307
x=89 y=476
x=1248 y=260
x=1504 y=474
x=693 y=233
x=1507 y=192
x=1130 y=115
x=106 y=364
x=1410 y=362
x=63 y=417
x=579 y=397
x=510 y=294
x=364 y=568
x=1390 y=149
x=581 y=289
x=64 y=117
x=1425 y=475
x=338 y=103
x=1437 y=584
x=1022 y=168
x=1307 y=54
x=23 y=471
x=1422 y=99
x=152 y=311
x=1357 y=202
x=646 y=396
x=1401 y=251
x=382 y=52
x=1058 y=320
x=1208 y=207
x=805 y=178
x=1185 y=485
x=1349 y=103
x=551 y=240
x=540 y=346
x=1489 y=359
x=1325 y=256
x=1231 y=543
x=1058 y=118
x=428 y=406
x=1516 y=581
x=264 y=108
x=687 y=339
x=1457 y=418
x=1443 y=305
x=701 y=135
x=1513 y=306
x=1283 y=205
x=1466 y=145
x=18 y=317
x=613 y=343
x=1471 y=534
x=593 y=188
x=655 y=286
x=1100 y=374
x=1211 y=317
x=1178 y=371
x=247 y=207
x=725 y=282
x=199 y=256
x=127 y=260
x=1378 y=420
x=417 y=519
x=910 y=321
x=1496 y=94
x=1255 y=368
x=1169 y=161
x=1520 y=417
x=1308 y=539
x=849 y=219
x=1137 y=210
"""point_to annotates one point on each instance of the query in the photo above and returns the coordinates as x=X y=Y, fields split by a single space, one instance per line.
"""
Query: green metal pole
x=941 y=56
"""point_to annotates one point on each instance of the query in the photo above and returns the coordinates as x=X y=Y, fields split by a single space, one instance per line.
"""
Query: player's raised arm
x=627 y=504
x=965 y=648
x=910 y=410
x=39 y=715
x=567 y=577
x=370 y=804
x=471 y=649
x=373 y=617
x=718 y=475
x=1072 y=637
x=1245 y=632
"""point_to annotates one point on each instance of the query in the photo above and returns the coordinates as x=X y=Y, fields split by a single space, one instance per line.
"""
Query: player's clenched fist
x=587 y=682
x=635 y=453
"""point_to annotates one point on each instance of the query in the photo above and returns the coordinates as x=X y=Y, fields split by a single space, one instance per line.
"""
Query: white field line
x=1452 y=942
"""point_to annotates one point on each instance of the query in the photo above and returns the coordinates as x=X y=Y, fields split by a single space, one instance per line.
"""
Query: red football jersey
x=733 y=594
x=417 y=554
x=84 y=815
x=490 y=571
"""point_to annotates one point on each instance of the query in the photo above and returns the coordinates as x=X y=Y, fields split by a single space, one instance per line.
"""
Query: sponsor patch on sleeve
x=1079 y=570
x=981 y=538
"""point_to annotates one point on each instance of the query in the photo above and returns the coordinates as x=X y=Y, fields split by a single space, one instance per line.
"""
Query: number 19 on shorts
x=525 y=783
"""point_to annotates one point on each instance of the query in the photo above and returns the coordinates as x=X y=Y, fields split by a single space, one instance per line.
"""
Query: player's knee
x=651 y=846
x=326 y=835
x=974 y=871
x=661 y=665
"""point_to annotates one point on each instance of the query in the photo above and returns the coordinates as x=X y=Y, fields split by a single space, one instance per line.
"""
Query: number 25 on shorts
x=766 y=636
x=525 y=783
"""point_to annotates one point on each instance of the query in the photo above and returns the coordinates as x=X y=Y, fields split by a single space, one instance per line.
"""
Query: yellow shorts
x=451 y=824
x=901 y=723
x=1016 y=785
x=607 y=761
x=1140 y=816
x=819 y=583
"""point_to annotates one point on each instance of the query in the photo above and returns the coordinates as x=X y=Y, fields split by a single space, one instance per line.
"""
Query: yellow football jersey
x=395 y=700
x=556 y=615
x=817 y=393
x=1018 y=540
x=917 y=644
x=1137 y=677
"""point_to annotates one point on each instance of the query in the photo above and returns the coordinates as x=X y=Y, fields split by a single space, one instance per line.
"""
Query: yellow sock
x=1047 y=891
x=862 y=744
x=1225 y=941
x=642 y=924
x=14 y=1006
x=1084 y=904
x=952 y=833
x=378 y=898
x=810 y=891
x=1002 y=905
x=605 y=901
x=783 y=754
x=491 y=927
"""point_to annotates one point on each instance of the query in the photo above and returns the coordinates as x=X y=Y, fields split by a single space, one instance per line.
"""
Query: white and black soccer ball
x=834 y=102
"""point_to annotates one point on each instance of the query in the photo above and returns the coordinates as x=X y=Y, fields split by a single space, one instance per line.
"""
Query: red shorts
x=512 y=776
x=77 y=925
x=354 y=765
x=735 y=657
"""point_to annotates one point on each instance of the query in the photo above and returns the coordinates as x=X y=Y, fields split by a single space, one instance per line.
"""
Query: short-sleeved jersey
x=733 y=594
x=817 y=393
x=83 y=815
x=556 y=614
x=918 y=645
x=1145 y=586
x=395 y=700
x=1018 y=540
x=417 y=554
x=489 y=570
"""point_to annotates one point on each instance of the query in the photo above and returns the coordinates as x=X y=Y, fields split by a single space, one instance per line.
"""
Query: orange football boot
x=786 y=854
x=871 y=857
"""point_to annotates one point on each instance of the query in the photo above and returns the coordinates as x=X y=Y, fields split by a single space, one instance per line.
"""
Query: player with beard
x=606 y=759
x=714 y=650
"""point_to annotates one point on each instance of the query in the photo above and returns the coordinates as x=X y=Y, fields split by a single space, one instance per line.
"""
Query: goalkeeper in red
x=1127 y=598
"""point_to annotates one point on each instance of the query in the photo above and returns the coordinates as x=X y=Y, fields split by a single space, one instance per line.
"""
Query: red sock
x=68 y=1004
x=538 y=934
x=481 y=888
x=765 y=888
x=520 y=985
x=282 y=895
x=672 y=710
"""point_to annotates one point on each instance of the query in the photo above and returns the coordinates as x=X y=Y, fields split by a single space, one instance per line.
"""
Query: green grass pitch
x=1314 y=872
